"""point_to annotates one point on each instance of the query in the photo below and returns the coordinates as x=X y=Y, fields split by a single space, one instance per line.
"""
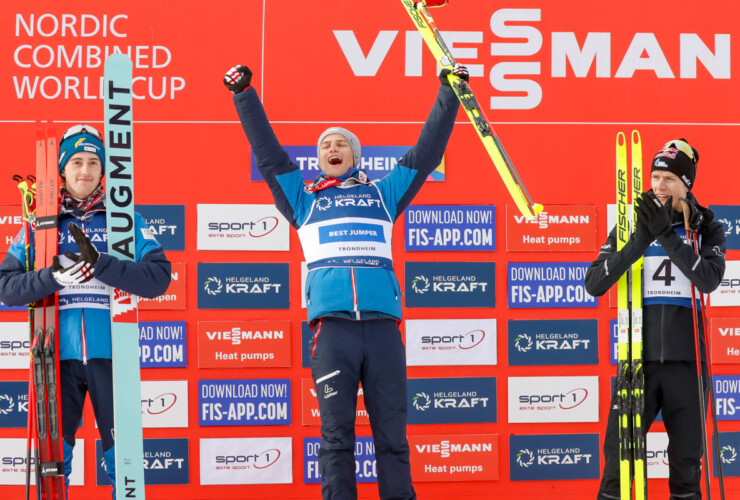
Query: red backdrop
x=560 y=135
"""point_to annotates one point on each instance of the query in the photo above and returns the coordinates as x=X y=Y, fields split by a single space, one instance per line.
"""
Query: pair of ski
x=45 y=407
x=630 y=379
x=40 y=209
x=419 y=13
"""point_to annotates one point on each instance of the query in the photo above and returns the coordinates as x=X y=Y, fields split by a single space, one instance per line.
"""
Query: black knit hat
x=678 y=158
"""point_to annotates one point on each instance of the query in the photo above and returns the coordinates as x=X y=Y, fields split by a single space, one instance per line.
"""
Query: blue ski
x=119 y=177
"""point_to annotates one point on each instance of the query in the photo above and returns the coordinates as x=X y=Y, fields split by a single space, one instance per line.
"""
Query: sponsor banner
x=444 y=458
x=451 y=400
x=164 y=403
x=553 y=342
x=550 y=457
x=13 y=463
x=614 y=336
x=548 y=284
x=14 y=404
x=310 y=414
x=450 y=227
x=729 y=217
x=560 y=228
x=165 y=462
x=450 y=284
x=451 y=342
x=14 y=345
x=728 y=292
x=727 y=396
x=244 y=402
x=163 y=344
x=365 y=468
x=656 y=455
x=553 y=399
x=376 y=161
x=729 y=452
x=242 y=227
x=725 y=334
x=166 y=223
x=306 y=344
x=11 y=223
x=243 y=344
x=174 y=297
x=266 y=460
x=243 y=286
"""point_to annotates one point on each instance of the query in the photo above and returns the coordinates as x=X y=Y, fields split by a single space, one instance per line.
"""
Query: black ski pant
x=670 y=386
x=345 y=354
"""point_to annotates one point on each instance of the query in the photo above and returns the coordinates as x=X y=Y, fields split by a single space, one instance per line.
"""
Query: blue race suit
x=84 y=314
x=352 y=294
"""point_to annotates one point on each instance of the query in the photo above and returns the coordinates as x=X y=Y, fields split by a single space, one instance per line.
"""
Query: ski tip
x=635 y=137
x=621 y=140
x=118 y=58
x=537 y=209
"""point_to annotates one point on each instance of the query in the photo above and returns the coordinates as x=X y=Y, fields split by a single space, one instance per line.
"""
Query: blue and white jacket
x=346 y=229
x=84 y=311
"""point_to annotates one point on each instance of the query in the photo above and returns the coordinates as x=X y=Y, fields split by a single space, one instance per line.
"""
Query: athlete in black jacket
x=670 y=267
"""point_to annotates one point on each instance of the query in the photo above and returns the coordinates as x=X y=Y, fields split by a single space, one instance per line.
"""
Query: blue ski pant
x=76 y=380
x=670 y=386
x=346 y=354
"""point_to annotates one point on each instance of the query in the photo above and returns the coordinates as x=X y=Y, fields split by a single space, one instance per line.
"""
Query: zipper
x=315 y=339
x=662 y=324
x=84 y=343
x=354 y=293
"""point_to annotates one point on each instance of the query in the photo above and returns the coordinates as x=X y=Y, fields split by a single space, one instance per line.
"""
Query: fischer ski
x=630 y=380
x=623 y=320
x=123 y=305
x=44 y=346
x=423 y=21
x=637 y=382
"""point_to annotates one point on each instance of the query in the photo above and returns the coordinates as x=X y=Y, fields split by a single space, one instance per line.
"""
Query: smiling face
x=667 y=184
x=335 y=155
x=82 y=174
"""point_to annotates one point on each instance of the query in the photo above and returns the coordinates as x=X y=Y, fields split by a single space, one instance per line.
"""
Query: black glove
x=238 y=78
x=696 y=214
x=68 y=276
x=458 y=70
x=88 y=253
x=656 y=216
x=641 y=230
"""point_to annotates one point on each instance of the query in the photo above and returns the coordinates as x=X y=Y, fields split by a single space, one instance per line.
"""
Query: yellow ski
x=429 y=32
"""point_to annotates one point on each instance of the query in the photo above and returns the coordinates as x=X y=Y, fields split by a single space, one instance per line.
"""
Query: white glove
x=67 y=276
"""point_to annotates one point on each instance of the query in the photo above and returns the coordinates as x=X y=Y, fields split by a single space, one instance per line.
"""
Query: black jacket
x=668 y=333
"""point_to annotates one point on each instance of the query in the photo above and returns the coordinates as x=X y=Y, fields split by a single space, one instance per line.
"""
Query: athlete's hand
x=238 y=78
x=695 y=216
x=656 y=216
x=88 y=253
x=67 y=276
x=458 y=70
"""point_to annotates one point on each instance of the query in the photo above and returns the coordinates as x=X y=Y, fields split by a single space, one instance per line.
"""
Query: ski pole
x=713 y=413
x=699 y=375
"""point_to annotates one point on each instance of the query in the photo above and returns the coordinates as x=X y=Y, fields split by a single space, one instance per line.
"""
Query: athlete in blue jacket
x=83 y=282
x=345 y=224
